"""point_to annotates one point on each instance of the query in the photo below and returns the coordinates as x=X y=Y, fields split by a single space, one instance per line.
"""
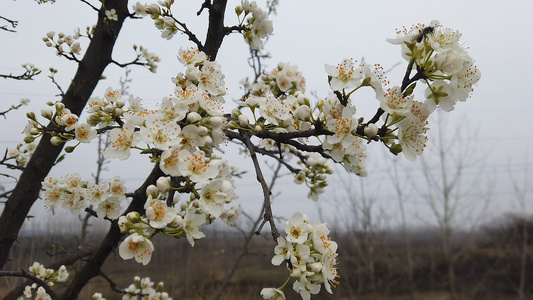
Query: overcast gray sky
x=307 y=34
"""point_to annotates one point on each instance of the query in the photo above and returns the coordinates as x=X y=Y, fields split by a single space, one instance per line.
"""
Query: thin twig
x=266 y=190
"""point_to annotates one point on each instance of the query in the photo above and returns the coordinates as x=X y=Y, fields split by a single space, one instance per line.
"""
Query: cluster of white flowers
x=57 y=42
x=179 y=219
x=145 y=287
x=74 y=194
x=22 y=153
x=49 y=276
x=310 y=255
x=285 y=78
x=162 y=16
x=258 y=26
x=450 y=71
x=182 y=134
x=314 y=175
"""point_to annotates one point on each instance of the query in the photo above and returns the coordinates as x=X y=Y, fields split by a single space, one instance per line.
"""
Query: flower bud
x=124 y=224
x=303 y=112
x=47 y=113
x=192 y=73
x=29 y=139
x=55 y=141
x=31 y=115
x=34 y=131
x=50 y=34
x=109 y=108
x=243 y=121
x=315 y=267
x=215 y=122
x=134 y=217
x=371 y=130
x=117 y=112
x=194 y=117
x=152 y=190
x=93 y=119
x=177 y=222
x=239 y=10
x=396 y=149
x=120 y=103
x=69 y=149
x=163 y=184
x=59 y=106
x=299 y=178
x=202 y=130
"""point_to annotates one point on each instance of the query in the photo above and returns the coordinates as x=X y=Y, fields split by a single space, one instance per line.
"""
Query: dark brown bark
x=89 y=72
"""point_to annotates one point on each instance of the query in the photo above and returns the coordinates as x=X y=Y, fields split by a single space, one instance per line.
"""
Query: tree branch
x=268 y=216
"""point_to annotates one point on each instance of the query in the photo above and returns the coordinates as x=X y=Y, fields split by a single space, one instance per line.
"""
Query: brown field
x=375 y=268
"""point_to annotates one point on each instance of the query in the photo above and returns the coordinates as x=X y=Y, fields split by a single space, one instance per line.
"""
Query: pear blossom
x=169 y=162
x=274 y=110
x=412 y=137
x=191 y=224
x=84 y=133
x=111 y=14
x=158 y=213
x=329 y=269
x=191 y=56
x=272 y=294
x=283 y=251
x=41 y=294
x=137 y=246
x=342 y=127
x=162 y=134
x=122 y=139
x=211 y=79
x=62 y=274
x=196 y=166
x=345 y=75
x=321 y=241
x=392 y=101
x=215 y=194
x=96 y=193
x=109 y=208
x=297 y=228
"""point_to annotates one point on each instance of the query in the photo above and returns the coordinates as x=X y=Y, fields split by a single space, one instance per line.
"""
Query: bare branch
x=268 y=216
x=12 y=22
